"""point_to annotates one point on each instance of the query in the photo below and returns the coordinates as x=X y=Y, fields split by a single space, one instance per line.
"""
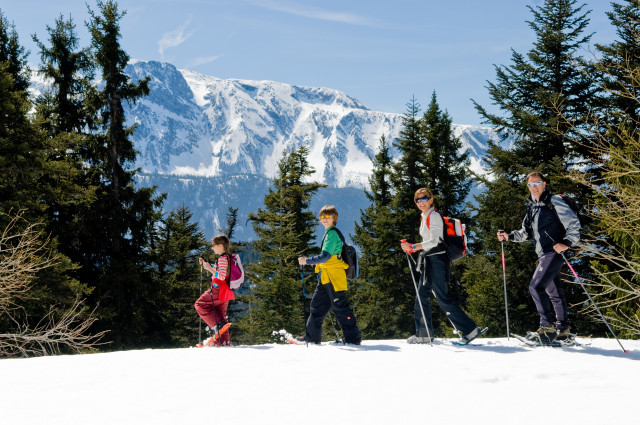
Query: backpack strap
x=339 y=234
x=229 y=260
x=428 y=220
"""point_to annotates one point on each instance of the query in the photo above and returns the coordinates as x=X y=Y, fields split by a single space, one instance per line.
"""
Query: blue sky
x=379 y=52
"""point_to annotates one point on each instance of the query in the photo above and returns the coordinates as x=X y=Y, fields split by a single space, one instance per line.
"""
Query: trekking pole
x=200 y=318
x=304 y=299
x=588 y=295
x=415 y=285
x=504 y=277
x=334 y=327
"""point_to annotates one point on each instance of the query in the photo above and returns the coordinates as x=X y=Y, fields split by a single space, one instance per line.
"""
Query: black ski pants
x=547 y=290
x=325 y=298
x=434 y=278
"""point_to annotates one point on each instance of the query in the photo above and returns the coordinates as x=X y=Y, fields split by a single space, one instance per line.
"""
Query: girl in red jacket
x=212 y=304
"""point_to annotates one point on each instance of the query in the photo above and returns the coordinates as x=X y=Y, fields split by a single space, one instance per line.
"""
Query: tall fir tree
x=170 y=315
x=22 y=152
x=382 y=301
x=13 y=54
x=33 y=171
x=409 y=171
x=63 y=115
x=285 y=230
x=532 y=93
x=428 y=157
x=123 y=216
x=447 y=169
x=545 y=81
x=70 y=71
x=618 y=62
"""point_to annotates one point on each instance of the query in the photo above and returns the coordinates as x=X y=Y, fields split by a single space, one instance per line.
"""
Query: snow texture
x=497 y=381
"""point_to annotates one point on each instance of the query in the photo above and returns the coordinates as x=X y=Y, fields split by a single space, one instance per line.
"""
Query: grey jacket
x=548 y=221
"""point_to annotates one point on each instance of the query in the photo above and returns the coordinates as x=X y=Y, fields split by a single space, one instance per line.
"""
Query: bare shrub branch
x=23 y=254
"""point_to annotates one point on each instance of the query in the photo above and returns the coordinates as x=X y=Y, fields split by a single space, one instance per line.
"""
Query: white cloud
x=203 y=60
x=175 y=38
x=315 y=13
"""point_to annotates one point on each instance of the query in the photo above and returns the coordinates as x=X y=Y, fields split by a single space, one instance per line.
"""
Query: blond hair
x=330 y=210
x=423 y=191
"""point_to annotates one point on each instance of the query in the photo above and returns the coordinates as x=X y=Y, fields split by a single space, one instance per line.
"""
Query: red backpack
x=455 y=238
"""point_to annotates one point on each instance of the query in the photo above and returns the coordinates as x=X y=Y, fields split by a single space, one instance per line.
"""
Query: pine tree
x=285 y=230
x=14 y=57
x=383 y=303
x=545 y=81
x=21 y=146
x=612 y=244
x=30 y=176
x=63 y=115
x=619 y=61
x=538 y=94
x=409 y=171
x=232 y=220
x=64 y=110
x=169 y=313
x=123 y=216
x=448 y=174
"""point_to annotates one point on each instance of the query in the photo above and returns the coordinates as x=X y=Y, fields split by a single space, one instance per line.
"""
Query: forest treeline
x=89 y=260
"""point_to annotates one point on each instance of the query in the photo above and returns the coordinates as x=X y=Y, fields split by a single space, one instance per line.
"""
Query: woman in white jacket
x=434 y=268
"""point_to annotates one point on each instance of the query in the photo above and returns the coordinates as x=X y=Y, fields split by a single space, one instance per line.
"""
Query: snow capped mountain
x=212 y=143
x=196 y=125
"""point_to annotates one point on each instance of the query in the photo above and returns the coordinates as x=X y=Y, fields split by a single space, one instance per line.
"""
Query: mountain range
x=212 y=143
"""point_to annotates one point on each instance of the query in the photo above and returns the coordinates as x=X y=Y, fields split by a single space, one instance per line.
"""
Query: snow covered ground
x=497 y=381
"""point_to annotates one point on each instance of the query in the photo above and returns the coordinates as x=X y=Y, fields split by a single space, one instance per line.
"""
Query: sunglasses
x=322 y=217
x=424 y=199
x=532 y=184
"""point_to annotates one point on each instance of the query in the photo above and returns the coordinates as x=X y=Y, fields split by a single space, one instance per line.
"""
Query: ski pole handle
x=412 y=246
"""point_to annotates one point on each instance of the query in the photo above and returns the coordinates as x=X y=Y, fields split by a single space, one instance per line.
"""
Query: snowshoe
x=466 y=339
x=214 y=340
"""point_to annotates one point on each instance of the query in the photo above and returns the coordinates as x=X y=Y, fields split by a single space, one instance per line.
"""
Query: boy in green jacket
x=331 y=292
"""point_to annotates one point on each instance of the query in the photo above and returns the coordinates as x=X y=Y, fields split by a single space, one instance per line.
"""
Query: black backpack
x=568 y=199
x=349 y=256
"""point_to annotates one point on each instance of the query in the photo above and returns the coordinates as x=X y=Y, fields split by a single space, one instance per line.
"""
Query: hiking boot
x=544 y=333
x=302 y=340
x=465 y=339
x=564 y=334
x=209 y=342
x=419 y=340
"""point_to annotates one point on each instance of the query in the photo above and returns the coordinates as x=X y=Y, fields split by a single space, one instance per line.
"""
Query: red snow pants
x=213 y=311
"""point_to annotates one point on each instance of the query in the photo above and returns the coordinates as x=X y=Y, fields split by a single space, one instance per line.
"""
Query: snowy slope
x=382 y=382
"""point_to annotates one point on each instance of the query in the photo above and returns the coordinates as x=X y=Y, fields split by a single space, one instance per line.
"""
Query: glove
x=412 y=249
